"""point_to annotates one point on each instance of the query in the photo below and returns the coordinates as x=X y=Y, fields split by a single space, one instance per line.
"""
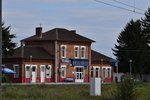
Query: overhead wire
x=129 y=5
x=118 y=7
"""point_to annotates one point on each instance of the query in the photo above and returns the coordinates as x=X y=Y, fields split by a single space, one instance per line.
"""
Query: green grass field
x=66 y=92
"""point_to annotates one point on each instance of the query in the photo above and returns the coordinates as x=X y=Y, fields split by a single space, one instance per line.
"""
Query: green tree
x=145 y=22
x=146 y=25
x=131 y=46
x=8 y=45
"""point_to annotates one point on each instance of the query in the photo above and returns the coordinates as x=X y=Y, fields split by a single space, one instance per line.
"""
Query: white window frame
x=75 y=52
x=42 y=66
x=63 y=66
x=94 y=71
x=50 y=71
x=28 y=76
x=106 y=71
x=84 y=52
x=63 y=56
x=16 y=75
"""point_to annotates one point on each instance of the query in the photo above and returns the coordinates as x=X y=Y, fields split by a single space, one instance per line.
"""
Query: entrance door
x=79 y=74
x=33 y=73
x=42 y=73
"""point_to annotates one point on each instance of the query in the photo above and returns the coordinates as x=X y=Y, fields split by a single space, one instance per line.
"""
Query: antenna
x=40 y=25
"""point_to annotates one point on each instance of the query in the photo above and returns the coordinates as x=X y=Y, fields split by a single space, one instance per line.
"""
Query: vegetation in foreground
x=67 y=92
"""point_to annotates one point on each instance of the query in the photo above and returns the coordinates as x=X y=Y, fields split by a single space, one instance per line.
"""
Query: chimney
x=38 y=31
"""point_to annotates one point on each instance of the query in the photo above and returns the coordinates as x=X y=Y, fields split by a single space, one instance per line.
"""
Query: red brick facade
x=38 y=65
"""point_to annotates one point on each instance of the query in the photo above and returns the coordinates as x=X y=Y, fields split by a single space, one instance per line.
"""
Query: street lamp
x=130 y=66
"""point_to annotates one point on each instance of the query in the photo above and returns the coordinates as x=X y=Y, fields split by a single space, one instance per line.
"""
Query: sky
x=98 y=21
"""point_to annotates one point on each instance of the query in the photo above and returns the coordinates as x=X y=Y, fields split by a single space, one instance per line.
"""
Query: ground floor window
x=63 y=71
x=95 y=71
x=48 y=71
x=106 y=72
x=16 y=69
x=27 y=71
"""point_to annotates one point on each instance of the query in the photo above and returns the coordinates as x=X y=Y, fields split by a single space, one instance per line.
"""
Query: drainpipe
x=89 y=68
x=56 y=62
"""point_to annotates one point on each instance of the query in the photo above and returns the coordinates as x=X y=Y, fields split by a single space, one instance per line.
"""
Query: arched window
x=63 y=51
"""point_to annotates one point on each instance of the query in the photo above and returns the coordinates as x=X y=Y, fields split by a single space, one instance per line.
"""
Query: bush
x=126 y=89
x=5 y=79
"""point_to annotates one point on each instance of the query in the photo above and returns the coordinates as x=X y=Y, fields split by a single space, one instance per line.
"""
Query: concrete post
x=95 y=86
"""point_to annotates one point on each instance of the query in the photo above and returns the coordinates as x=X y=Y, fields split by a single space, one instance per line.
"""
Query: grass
x=66 y=92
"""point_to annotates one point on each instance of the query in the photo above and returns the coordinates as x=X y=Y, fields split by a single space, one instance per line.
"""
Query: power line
x=129 y=5
x=134 y=50
x=118 y=7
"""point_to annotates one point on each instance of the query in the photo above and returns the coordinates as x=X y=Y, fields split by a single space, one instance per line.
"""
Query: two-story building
x=57 y=55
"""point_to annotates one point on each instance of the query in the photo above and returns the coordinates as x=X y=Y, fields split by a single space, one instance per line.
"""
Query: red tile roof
x=59 y=34
x=35 y=52
x=96 y=57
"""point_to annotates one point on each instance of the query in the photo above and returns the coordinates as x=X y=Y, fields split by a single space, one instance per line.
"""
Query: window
x=63 y=71
x=106 y=72
x=63 y=51
x=109 y=72
x=48 y=71
x=96 y=71
x=16 y=69
x=83 y=51
x=27 y=71
x=42 y=69
x=76 y=51
x=92 y=72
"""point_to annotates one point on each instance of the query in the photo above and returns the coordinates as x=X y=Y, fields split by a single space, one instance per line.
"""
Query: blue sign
x=79 y=62
x=114 y=62
x=65 y=60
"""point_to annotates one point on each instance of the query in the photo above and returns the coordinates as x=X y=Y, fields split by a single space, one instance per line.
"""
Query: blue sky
x=94 y=20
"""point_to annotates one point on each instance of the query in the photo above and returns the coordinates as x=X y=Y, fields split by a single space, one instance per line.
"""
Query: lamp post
x=130 y=66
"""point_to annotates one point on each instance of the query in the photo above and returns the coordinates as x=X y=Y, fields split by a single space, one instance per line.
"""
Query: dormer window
x=63 y=51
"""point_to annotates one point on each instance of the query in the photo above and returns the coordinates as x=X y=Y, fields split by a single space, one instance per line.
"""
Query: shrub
x=5 y=79
x=126 y=89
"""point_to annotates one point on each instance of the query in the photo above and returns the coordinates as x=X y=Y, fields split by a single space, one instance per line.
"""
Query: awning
x=6 y=70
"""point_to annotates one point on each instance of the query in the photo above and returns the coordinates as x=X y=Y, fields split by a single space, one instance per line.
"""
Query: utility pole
x=1 y=49
x=56 y=63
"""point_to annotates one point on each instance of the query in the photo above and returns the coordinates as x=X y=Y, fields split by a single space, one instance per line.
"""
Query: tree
x=146 y=25
x=146 y=31
x=131 y=46
x=8 y=45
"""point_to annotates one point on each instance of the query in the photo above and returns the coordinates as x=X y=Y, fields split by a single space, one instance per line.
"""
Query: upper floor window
x=76 y=51
x=63 y=51
x=83 y=51
x=16 y=69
